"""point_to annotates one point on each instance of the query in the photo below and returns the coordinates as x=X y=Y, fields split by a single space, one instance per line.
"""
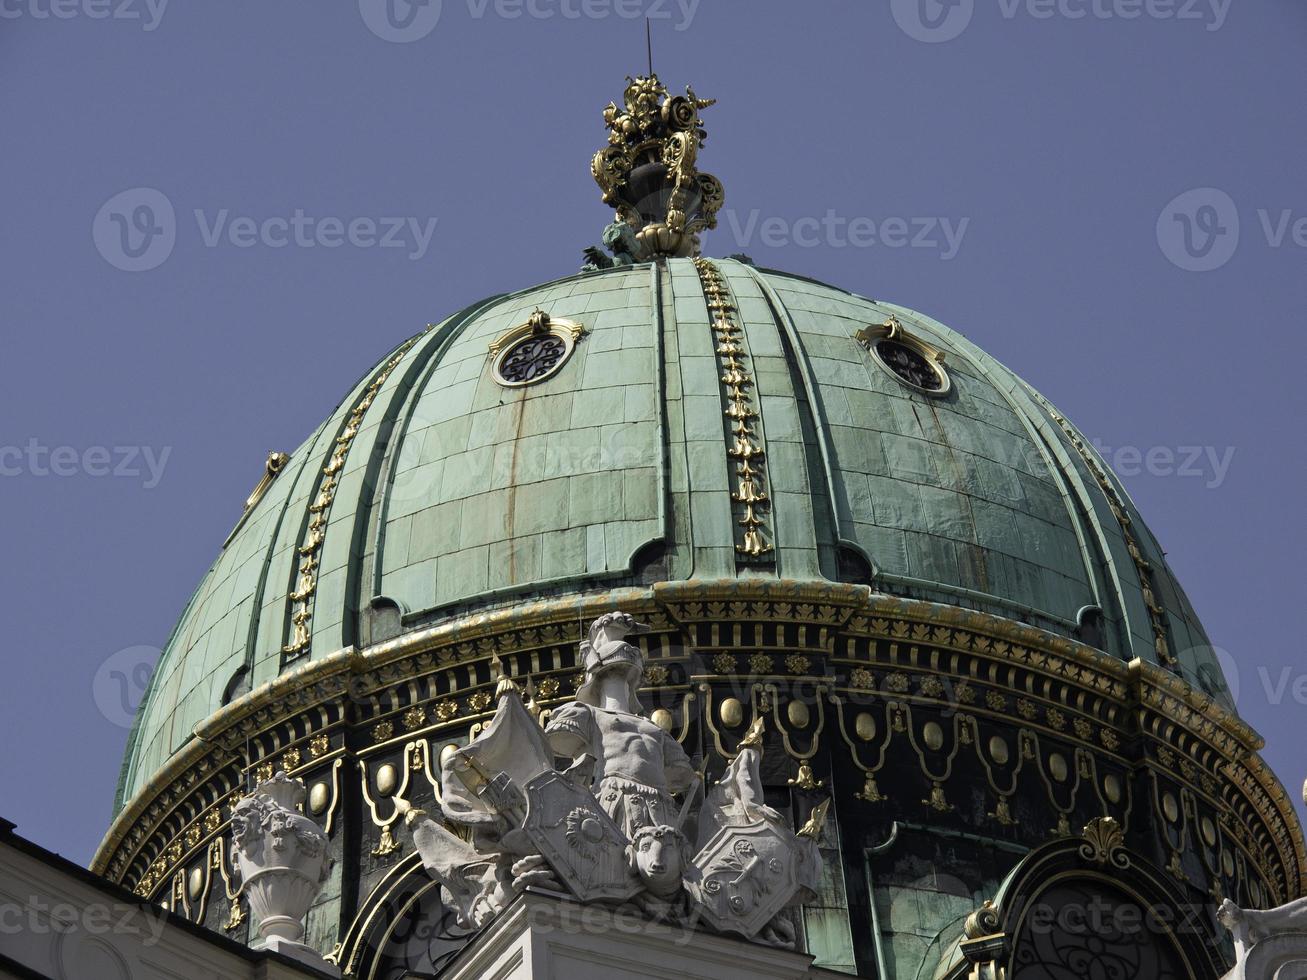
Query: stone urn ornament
x=283 y=860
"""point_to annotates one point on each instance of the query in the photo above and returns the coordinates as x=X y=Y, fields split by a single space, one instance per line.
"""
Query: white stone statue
x=607 y=827
x=491 y=861
x=637 y=765
x=1268 y=943
x=735 y=812
x=283 y=861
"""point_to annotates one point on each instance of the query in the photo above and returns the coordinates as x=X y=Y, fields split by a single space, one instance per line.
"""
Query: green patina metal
x=459 y=493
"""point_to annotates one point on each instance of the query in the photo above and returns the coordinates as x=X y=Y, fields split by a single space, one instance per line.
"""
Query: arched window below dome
x=1088 y=928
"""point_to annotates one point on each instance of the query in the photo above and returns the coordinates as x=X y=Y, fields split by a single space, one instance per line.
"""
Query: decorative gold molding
x=855 y=638
x=750 y=493
x=538 y=325
x=538 y=322
x=983 y=943
x=1104 y=843
x=892 y=329
x=272 y=466
x=310 y=546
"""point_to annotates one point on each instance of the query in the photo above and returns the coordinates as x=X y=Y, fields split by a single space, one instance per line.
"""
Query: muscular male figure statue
x=637 y=765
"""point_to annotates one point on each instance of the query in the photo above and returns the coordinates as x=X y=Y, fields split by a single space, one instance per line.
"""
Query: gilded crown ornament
x=647 y=173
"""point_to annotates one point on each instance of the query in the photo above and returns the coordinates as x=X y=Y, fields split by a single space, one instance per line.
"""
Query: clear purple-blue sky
x=1053 y=138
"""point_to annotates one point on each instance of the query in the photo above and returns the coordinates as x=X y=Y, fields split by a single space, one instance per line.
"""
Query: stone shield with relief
x=747 y=875
x=581 y=842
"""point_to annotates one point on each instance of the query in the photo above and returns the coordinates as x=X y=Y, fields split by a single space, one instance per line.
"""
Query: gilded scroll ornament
x=533 y=351
x=870 y=792
x=914 y=362
x=648 y=173
x=274 y=464
x=937 y=801
x=1105 y=843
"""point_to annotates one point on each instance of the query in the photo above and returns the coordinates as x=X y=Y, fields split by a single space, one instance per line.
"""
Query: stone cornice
x=837 y=621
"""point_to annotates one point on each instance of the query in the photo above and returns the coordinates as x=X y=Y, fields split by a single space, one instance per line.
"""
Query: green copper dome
x=436 y=489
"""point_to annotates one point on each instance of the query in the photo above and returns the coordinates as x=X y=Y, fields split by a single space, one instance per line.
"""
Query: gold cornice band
x=833 y=620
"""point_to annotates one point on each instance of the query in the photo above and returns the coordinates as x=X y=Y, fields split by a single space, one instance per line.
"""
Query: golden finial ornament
x=816 y=820
x=753 y=737
x=647 y=171
x=504 y=684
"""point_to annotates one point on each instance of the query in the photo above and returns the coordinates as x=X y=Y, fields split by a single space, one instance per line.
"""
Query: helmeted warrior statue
x=608 y=827
x=637 y=765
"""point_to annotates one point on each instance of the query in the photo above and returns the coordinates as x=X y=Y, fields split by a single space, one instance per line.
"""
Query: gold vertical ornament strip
x=743 y=447
x=310 y=547
x=1144 y=568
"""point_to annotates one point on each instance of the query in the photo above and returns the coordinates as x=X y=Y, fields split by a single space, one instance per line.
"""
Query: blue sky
x=1105 y=194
